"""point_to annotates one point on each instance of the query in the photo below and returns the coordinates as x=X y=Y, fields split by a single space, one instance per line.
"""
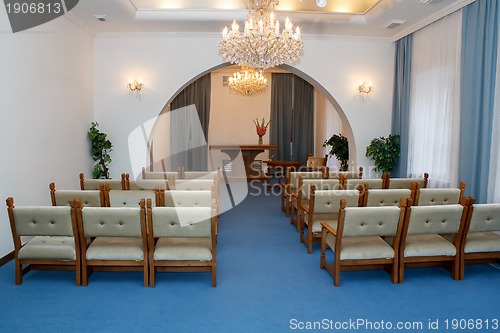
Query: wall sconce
x=136 y=86
x=364 y=88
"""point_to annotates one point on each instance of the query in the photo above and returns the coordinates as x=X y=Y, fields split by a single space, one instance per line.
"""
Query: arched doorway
x=158 y=142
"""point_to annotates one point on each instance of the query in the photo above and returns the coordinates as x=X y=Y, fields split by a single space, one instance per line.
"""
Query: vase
x=260 y=140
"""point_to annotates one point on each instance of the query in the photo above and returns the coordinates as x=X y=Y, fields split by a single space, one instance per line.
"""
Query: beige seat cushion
x=428 y=245
x=482 y=242
x=115 y=248
x=365 y=247
x=331 y=219
x=183 y=249
x=49 y=247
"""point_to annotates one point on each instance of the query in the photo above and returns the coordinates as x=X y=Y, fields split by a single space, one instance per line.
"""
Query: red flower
x=261 y=127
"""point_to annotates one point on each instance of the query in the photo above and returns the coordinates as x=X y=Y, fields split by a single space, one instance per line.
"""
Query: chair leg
x=336 y=276
x=214 y=276
x=401 y=275
x=455 y=269
x=78 y=273
x=19 y=272
x=152 y=272
x=145 y=271
x=309 y=240
x=85 y=275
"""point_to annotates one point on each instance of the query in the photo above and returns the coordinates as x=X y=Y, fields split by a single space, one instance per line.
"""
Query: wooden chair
x=378 y=198
x=357 y=240
x=118 y=239
x=181 y=198
x=94 y=184
x=323 y=207
x=292 y=187
x=481 y=238
x=345 y=174
x=373 y=183
x=422 y=243
x=91 y=198
x=55 y=242
x=439 y=196
x=399 y=183
x=315 y=163
x=301 y=203
x=145 y=184
x=182 y=239
x=129 y=198
x=159 y=175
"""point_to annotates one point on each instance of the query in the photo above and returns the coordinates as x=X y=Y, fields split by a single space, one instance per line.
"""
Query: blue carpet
x=266 y=283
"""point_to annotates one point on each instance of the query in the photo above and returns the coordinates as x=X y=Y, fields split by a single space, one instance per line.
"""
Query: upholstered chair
x=55 y=242
x=399 y=183
x=423 y=241
x=323 y=207
x=292 y=187
x=94 y=184
x=182 y=239
x=346 y=174
x=91 y=198
x=357 y=241
x=377 y=197
x=439 y=196
x=118 y=239
x=481 y=240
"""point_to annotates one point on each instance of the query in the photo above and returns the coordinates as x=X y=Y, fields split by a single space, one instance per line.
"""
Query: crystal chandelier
x=261 y=44
x=247 y=82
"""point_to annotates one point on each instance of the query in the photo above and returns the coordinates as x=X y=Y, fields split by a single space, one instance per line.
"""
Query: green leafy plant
x=340 y=148
x=384 y=152
x=100 y=149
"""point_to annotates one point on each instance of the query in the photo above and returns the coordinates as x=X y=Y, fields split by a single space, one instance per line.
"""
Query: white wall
x=167 y=62
x=46 y=87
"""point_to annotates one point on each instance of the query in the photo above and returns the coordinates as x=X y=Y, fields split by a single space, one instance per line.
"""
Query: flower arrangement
x=261 y=128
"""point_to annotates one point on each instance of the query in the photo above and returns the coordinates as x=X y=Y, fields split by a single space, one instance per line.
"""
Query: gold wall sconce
x=364 y=87
x=136 y=86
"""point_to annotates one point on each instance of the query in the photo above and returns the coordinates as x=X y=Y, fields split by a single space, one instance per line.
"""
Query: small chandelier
x=261 y=45
x=247 y=82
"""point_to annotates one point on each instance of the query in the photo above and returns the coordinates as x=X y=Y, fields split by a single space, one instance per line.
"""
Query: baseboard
x=5 y=259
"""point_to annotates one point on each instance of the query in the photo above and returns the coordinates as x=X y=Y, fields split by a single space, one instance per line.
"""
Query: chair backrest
x=371 y=221
x=399 y=183
x=328 y=201
x=484 y=217
x=90 y=198
x=320 y=184
x=438 y=196
x=181 y=222
x=200 y=175
x=316 y=161
x=377 y=197
x=181 y=198
x=94 y=184
x=131 y=198
x=40 y=220
x=443 y=219
x=373 y=183
x=111 y=221
x=193 y=184
x=294 y=177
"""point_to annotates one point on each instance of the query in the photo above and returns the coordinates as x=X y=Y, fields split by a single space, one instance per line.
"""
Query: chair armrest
x=329 y=228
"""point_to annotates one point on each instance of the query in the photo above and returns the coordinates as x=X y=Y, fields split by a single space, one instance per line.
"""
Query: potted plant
x=340 y=148
x=384 y=152
x=100 y=149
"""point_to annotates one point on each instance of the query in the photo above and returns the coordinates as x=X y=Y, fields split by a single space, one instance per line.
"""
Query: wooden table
x=248 y=152
x=283 y=165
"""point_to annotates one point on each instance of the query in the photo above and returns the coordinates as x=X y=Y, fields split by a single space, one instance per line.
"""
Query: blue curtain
x=401 y=101
x=480 y=25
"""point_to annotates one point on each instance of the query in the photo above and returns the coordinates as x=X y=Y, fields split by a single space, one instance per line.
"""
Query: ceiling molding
x=79 y=23
x=433 y=18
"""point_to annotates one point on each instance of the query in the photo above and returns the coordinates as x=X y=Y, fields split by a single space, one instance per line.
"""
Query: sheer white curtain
x=435 y=102
x=494 y=179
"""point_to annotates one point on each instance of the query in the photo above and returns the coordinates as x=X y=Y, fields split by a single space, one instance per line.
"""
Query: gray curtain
x=401 y=102
x=280 y=128
x=292 y=117
x=190 y=146
x=480 y=24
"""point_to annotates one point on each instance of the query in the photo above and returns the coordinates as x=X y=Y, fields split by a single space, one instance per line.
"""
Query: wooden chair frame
x=52 y=188
x=42 y=264
x=88 y=266
x=181 y=265
x=452 y=263
x=388 y=264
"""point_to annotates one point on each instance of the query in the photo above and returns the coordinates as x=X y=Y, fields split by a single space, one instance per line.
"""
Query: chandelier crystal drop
x=247 y=82
x=261 y=44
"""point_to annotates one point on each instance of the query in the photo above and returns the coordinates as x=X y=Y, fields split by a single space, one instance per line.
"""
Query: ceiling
x=366 y=18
